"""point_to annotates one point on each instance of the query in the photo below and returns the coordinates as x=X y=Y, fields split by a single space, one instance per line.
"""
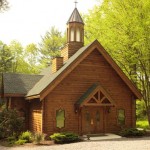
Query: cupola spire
x=75 y=3
x=75 y=27
x=75 y=34
x=75 y=17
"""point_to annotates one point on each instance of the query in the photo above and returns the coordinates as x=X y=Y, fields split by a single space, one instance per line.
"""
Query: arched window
x=60 y=118
x=72 y=34
x=78 y=35
x=121 y=117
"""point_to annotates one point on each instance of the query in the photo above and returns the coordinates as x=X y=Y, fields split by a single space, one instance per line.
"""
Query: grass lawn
x=142 y=124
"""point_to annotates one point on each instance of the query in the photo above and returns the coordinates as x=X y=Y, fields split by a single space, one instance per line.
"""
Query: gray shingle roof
x=87 y=93
x=75 y=17
x=19 y=83
x=46 y=71
x=47 y=79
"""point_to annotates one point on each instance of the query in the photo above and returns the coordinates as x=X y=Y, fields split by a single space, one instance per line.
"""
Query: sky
x=27 y=20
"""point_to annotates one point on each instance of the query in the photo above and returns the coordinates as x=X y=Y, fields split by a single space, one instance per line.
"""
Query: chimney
x=57 y=63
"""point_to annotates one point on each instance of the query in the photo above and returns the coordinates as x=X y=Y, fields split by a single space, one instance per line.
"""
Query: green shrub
x=10 y=123
x=26 y=136
x=132 y=132
x=20 y=142
x=39 y=137
x=66 y=137
x=11 y=139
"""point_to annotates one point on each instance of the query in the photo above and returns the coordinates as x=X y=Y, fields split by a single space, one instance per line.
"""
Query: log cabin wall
x=35 y=116
x=93 y=69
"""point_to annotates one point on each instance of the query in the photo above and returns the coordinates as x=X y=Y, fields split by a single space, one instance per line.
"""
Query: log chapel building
x=83 y=91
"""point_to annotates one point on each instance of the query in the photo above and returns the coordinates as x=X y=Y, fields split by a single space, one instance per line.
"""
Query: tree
x=123 y=27
x=32 y=57
x=24 y=59
x=5 y=58
x=51 y=44
x=3 y=5
x=14 y=58
x=17 y=52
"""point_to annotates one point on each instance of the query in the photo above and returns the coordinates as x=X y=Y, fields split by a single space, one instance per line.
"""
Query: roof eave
x=32 y=97
x=13 y=95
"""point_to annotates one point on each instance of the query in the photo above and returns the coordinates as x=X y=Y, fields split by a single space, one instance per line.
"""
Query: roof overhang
x=74 y=61
x=13 y=95
x=33 y=97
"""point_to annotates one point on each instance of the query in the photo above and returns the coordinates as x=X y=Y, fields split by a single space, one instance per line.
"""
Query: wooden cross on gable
x=75 y=3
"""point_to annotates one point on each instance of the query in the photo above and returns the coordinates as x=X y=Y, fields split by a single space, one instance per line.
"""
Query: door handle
x=92 y=122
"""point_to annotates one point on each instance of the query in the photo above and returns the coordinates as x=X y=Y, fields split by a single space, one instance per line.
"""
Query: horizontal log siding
x=35 y=116
x=92 y=69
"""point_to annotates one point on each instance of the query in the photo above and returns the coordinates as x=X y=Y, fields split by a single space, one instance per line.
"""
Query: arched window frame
x=60 y=123
x=121 y=117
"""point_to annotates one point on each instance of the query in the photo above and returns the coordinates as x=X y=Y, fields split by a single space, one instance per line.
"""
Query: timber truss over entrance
x=96 y=95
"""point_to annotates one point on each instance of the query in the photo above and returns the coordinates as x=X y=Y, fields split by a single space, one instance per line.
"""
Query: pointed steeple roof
x=75 y=17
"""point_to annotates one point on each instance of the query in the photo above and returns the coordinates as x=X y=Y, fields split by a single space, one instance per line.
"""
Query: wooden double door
x=92 y=120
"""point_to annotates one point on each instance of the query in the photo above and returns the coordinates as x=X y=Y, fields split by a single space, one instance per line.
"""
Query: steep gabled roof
x=46 y=71
x=49 y=82
x=49 y=78
x=19 y=83
x=75 y=17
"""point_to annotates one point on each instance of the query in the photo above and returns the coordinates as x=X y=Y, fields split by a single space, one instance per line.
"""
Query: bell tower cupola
x=75 y=28
x=75 y=35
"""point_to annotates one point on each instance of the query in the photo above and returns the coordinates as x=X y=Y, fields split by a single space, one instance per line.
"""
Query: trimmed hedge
x=66 y=137
x=132 y=132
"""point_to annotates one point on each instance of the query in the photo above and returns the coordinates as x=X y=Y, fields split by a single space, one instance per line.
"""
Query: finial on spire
x=75 y=3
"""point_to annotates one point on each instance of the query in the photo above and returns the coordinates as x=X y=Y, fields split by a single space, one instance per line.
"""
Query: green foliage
x=20 y=142
x=140 y=110
x=5 y=58
x=65 y=137
x=11 y=139
x=122 y=27
x=132 y=132
x=39 y=137
x=26 y=136
x=10 y=123
x=15 y=58
x=32 y=56
x=51 y=44
x=142 y=124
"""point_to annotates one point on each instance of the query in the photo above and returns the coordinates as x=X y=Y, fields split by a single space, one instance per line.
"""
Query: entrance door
x=92 y=120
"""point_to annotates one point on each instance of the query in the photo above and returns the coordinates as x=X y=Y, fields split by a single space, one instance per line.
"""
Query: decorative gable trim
x=96 y=95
